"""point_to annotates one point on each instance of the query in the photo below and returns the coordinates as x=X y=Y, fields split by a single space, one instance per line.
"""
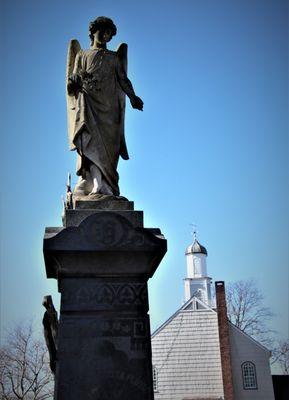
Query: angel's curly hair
x=101 y=23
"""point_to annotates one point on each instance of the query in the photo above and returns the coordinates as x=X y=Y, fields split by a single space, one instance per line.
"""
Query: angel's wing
x=121 y=52
x=73 y=49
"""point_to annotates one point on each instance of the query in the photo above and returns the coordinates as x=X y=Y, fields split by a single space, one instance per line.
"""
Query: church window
x=197 y=267
x=155 y=378
x=249 y=375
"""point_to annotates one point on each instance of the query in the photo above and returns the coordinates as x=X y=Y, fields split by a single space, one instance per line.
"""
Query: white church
x=197 y=354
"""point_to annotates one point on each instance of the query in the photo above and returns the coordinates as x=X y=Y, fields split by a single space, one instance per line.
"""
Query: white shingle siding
x=186 y=352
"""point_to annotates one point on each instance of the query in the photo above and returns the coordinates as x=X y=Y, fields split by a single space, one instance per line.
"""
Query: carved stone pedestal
x=102 y=260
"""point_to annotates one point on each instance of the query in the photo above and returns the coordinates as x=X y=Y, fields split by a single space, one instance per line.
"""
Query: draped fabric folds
x=98 y=134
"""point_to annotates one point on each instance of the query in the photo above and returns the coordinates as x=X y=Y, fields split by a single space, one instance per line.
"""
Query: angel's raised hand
x=136 y=102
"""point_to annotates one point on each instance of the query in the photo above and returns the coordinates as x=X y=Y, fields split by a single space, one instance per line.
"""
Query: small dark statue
x=97 y=84
x=50 y=325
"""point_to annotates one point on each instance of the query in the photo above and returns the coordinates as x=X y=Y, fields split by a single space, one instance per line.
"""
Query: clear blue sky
x=210 y=148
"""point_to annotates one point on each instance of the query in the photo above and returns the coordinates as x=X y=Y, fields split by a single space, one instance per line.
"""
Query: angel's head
x=104 y=28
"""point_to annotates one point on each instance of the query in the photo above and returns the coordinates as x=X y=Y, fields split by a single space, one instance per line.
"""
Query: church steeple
x=197 y=282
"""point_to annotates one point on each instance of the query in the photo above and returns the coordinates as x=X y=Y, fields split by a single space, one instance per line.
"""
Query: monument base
x=102 y=259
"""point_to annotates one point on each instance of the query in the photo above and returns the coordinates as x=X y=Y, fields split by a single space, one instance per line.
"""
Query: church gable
x=196 y=304
x=247 y=340
x=186 y=355
x=250 y=367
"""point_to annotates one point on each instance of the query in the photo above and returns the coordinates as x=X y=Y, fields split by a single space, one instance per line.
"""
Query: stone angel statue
x=97 y=85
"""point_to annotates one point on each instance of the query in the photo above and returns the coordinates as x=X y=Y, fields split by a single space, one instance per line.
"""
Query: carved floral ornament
x=109 y=294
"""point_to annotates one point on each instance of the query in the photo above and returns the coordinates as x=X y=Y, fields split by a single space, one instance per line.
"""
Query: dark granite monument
x=102 y=257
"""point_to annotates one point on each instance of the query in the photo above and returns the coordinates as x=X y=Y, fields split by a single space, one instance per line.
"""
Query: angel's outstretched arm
x=123 y=80
x=127 y=87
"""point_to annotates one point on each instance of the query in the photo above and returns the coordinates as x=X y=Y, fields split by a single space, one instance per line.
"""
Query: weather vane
x=194 y=232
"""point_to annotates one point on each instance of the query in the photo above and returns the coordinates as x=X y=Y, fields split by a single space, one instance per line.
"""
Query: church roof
x=193 y=304
x=195 y=248
x=250 y=338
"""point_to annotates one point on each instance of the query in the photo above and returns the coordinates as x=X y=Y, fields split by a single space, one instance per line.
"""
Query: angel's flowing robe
x=99 y=113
